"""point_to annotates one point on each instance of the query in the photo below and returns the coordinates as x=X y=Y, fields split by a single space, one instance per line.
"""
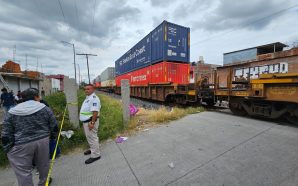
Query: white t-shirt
x=90 y=104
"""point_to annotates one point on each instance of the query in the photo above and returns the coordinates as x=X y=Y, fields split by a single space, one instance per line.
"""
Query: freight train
x=259 y=81
x=265 y=84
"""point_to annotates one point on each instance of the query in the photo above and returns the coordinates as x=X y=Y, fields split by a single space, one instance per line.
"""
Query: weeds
x=110 y=120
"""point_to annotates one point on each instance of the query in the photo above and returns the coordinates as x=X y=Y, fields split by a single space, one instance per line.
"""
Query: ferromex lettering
x=139 y=78
x=254 y=72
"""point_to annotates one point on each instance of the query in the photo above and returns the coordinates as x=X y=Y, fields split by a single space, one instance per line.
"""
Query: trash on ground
x=120 y=139
x=145 y=130
x=171 y=165
x=133 y=109
x=67 y=134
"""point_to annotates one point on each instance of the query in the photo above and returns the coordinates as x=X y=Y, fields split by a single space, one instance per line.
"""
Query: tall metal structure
x=88 y=63
x=74 y=57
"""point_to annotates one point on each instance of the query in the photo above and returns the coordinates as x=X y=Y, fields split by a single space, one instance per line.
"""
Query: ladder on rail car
x=4 y=82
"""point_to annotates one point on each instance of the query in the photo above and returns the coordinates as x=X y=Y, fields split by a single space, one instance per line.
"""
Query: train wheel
x=236 y=108
x=292 y=117
x=210 y=102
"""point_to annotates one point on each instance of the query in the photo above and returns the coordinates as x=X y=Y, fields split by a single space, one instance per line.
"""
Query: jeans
x=6 y=109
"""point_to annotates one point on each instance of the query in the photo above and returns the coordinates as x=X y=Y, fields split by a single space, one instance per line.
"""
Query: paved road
x=209 y=148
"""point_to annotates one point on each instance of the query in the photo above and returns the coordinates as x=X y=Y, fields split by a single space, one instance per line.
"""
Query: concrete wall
x=70 y=90
x=46 y=85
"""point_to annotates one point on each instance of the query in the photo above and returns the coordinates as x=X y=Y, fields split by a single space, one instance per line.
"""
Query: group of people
x=30 y=125
x=8 y=99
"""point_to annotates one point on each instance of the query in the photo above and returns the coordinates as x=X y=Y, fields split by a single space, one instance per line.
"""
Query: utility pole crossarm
x=87 y=63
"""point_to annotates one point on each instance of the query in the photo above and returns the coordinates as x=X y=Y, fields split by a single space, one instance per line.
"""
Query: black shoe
x=87 y=152
x=91 y=160
x=50 y=180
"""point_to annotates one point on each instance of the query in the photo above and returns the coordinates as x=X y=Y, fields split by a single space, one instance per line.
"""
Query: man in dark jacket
x=7 y=100
x=25 y=137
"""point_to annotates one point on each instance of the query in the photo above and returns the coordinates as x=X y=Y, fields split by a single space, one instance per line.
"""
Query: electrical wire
x=95 y=2
x=62 y=12
x=250 y=23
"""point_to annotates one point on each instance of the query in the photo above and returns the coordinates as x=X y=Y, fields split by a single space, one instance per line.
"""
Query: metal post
x=74 y=62
x=125 y=96
x=88 y=69
x=88 y=64
x=26 y=63
x=79 y=74
x=74 y=58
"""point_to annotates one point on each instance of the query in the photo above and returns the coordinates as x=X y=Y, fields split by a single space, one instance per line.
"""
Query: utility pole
x=36 y=63
x=74 y=58
x=79 y=74
x=87 y=63
x=14 y=52
x=26 y=63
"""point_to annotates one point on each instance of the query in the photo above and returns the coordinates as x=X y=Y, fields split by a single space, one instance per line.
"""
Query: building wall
x=13 y=83
x=56 y=85
x=17 y=83
x=239 y=56
x=34 y=84
x=108 y=74
x=24 y=84
x=46 y=85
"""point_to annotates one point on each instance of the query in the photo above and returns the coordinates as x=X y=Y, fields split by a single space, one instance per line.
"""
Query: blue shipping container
x=167 y=42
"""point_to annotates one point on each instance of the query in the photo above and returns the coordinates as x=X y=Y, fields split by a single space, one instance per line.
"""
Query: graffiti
x=254 y=72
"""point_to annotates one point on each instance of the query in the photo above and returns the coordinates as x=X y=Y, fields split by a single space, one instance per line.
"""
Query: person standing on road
x=25 y=137
x=7 y=100
x=89 y=116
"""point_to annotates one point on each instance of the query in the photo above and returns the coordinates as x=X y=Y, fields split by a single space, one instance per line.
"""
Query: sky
x=108 y=28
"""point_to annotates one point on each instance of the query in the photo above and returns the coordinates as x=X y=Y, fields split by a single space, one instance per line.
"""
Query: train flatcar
x=266 y=86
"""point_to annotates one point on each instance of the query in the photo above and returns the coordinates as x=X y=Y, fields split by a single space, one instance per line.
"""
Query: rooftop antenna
x=14 y=52
x=36 y=63
x=26 y=64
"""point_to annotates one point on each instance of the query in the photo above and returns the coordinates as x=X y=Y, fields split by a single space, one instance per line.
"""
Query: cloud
x=36 y=27
x=241 y=14
x=162 y=3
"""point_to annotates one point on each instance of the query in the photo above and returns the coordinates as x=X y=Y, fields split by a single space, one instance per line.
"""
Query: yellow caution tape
x=54 y=155
x=72 y=103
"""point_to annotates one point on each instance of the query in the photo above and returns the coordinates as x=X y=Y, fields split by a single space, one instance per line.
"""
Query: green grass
x=111 y=122
x=110 y=119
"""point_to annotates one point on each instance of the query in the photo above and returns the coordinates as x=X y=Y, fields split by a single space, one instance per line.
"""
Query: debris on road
x=171 y=165
x=133 y=109
x=67 y=134
x=120 y=139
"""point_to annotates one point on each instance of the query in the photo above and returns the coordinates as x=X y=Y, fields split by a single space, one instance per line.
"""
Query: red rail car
x=164 y=81
x=160 y=73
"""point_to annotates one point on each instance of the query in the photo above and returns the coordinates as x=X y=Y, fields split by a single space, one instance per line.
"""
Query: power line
x=250 y=23
x=61 y=10
x=88 y=63
x=95 y=2
x=77 y=19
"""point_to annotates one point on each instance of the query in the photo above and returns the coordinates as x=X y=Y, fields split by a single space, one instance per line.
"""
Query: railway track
x=216 y=108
